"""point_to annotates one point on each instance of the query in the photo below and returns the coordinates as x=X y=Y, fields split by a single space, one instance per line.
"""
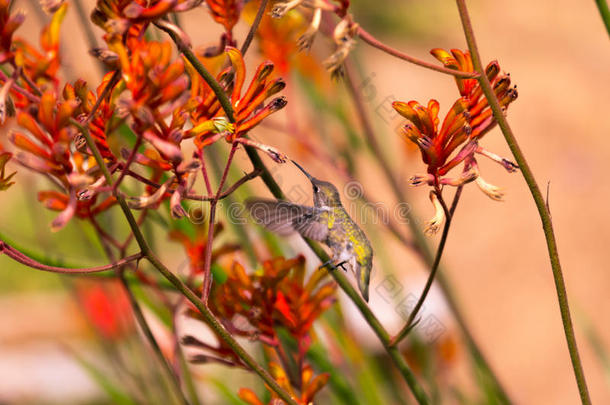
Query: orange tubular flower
x=249 y=108
x=117 y=17
x=481 y=119
x=468 y=120
x=46 y=149
x=437 y=145
x=157 y=90
x=226 y=13
x=255 y=304
x=311 y=385
x=101 y=123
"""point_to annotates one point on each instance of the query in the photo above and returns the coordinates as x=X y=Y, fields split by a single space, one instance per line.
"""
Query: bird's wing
x=284 y=218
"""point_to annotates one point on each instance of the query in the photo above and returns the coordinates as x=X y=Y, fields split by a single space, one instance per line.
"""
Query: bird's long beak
x=309 y=176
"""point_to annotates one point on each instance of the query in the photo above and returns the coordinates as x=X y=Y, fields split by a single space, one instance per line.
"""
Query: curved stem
x=602 y=6
x=371 y=40
x=28 y=261
x=545 y=216
x=439 y=253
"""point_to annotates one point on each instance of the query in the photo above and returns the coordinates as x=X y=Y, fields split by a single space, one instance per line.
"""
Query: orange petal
x=247 y=395
x=23 y=142
x=240 y=71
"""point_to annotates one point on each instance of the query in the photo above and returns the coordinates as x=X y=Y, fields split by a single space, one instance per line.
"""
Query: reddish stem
x=371 y=40
x=130 y=159
x=204 y=173
x=28 y=261
x=33 y=98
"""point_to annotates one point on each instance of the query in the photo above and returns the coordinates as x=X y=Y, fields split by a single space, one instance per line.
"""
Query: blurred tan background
x=558 y=54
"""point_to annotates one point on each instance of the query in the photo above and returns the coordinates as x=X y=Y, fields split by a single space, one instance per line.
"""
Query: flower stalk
x=545 y=216
x=411 y=322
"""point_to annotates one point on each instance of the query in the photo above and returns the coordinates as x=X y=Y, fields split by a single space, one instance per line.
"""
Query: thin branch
x=254 y=27
x=196 y=197
x=204 y=173
x=28 y=261
x=32 y=97
x=247 y=177
x=545 y=217
x=371 y=40
x=409 y=325
x=128 y=163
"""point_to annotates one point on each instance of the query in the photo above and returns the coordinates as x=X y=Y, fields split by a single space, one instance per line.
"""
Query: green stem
x=382 y=334
x=439 y=253
x=254 y=27
x=187 y=292
x=602 y=5
x=275 y=189
x=545 y=216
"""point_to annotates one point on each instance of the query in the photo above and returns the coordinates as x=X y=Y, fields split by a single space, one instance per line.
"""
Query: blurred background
x=496 y=258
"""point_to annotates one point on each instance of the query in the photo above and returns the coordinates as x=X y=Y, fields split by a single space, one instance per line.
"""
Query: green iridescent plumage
x=327 y=222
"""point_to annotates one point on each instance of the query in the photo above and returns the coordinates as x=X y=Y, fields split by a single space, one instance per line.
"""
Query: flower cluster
x=277 y=295
x=344 y=33
x=311 y=385
x=457 y=139
x=249 y=108
x=225 y=13
x=159 y=99
x=255 y=305
x=119 y=17
x=46 y=148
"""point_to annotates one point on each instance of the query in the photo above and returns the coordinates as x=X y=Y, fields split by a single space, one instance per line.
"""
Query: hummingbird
x=327 y=222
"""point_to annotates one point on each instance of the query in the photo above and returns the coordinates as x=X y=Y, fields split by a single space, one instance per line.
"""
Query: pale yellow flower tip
x=493 y=192
x=434 y=224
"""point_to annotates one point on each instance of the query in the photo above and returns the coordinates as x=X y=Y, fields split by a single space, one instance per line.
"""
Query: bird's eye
x=315 y=189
